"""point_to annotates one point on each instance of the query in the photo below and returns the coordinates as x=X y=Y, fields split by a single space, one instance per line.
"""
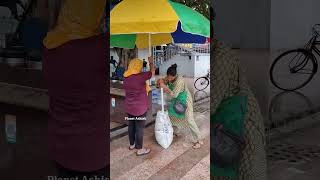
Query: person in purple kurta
x=75 y=70
x=136 y=102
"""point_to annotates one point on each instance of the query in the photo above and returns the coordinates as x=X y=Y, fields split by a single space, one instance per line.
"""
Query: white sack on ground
x=163 y=129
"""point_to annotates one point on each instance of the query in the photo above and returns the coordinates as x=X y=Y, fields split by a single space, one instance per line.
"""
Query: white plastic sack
x=163 y=129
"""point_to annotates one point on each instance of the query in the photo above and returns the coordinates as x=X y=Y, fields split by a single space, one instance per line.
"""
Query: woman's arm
x=148 y=75
x=151 y=66
x=161 y=84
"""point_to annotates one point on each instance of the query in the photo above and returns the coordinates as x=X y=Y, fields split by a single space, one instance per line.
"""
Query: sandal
x=131 y=147
x=145 y=151
x=196 y=145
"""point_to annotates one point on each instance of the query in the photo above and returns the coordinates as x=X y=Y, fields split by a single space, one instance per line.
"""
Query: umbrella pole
x=149 y=44
x=162 y=101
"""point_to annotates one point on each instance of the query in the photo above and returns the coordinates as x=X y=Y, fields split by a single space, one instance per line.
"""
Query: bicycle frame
x=314 y=44
x=311 y=47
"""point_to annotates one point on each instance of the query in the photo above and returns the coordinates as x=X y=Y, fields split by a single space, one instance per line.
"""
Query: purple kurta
x=136 y=101
x=76 y=75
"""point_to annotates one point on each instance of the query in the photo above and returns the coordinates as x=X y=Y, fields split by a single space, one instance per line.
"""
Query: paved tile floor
x=296 y=154
x=179 y=161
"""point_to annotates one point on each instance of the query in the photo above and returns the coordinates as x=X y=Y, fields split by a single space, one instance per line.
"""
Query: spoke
x=308 y=72
x=293 y=59
x=300 y=63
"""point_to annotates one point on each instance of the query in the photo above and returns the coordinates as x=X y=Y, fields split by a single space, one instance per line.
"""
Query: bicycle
x=305 y=66
x=202 y=82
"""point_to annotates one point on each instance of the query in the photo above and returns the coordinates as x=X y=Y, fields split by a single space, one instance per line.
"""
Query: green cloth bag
x=231 y=113
x=182 y=98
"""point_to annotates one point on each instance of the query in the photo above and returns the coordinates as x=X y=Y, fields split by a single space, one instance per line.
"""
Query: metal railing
x=171 y=50
x=7 y=27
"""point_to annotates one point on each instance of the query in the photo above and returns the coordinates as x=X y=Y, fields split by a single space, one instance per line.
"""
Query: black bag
x=226 y=147
x=179 y=107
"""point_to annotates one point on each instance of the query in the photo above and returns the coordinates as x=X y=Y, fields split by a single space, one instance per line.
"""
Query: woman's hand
x=166 y=89
x=160 y=83
x=150 y=60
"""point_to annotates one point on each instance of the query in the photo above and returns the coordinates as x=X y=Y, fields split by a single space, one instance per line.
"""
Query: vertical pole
x=162 y=101
x=149 y=44
x=150 y=52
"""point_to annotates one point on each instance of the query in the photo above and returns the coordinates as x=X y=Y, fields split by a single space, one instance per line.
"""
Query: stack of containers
x=155 y=96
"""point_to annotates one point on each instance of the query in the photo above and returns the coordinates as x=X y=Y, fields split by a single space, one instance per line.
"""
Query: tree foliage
x=202 y=6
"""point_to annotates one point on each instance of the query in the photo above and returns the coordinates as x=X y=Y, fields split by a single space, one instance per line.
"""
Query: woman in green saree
x=175 y=85
x=229 y=80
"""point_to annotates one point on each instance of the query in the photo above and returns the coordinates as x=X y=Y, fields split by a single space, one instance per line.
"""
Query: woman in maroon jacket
x=75 y=68
x=136 y=102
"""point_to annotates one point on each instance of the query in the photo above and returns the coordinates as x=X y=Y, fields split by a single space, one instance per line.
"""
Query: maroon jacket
x=136 y=102
x=76 y=75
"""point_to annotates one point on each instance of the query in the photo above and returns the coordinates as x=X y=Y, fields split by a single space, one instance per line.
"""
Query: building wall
x=143 y=54
x=202 y=65
x=243 y=24
x=291 y=22
x=275 y=24
x=196 y=67
x=185 y=66
x=265 y=25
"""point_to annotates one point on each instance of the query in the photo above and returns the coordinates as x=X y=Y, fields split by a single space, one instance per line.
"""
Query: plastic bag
x=163 y=129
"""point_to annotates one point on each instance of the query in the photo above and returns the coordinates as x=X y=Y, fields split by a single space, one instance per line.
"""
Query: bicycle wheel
x=201 y=83
x=199 y=95
x=293 y=69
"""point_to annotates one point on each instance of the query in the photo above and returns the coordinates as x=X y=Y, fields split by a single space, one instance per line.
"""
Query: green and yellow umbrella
x=146 y=23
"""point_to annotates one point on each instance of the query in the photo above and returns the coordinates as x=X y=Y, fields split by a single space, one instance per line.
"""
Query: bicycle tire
x=304 y=52
x=198 y=80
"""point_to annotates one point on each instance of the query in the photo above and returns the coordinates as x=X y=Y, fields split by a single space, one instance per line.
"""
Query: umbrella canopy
x=133 y=21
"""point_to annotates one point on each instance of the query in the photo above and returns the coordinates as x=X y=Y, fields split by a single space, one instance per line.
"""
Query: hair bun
x=174 y=65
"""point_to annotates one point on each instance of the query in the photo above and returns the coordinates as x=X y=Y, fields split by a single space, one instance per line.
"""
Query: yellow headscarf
x=135 y=67
x=78 y=19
